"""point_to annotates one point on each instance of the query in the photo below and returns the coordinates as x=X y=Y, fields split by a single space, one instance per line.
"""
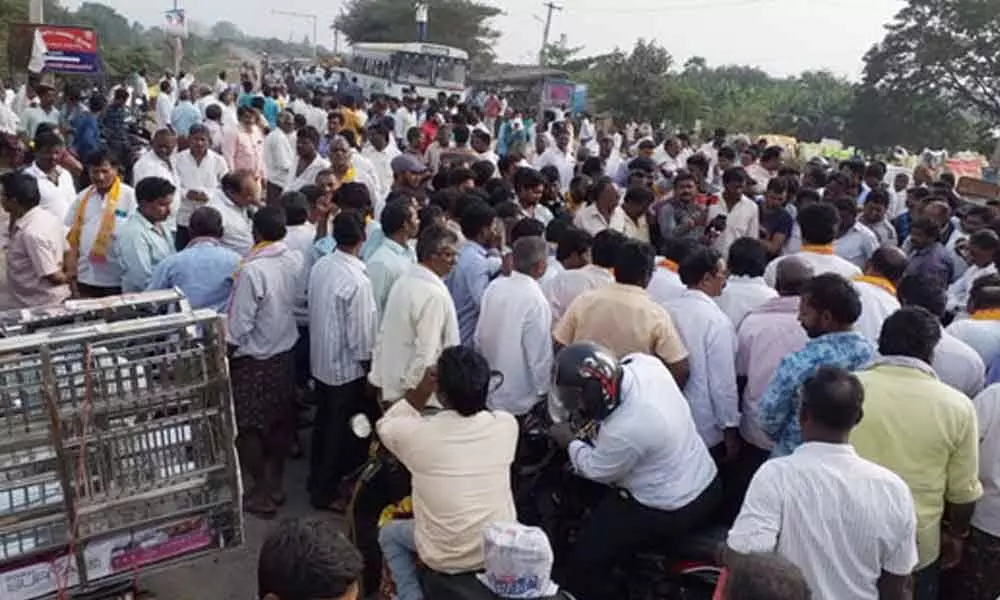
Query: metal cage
x=116 y=450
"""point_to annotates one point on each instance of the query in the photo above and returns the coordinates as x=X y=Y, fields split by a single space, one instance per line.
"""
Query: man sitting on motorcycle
x=459 y=459
x=663 y=479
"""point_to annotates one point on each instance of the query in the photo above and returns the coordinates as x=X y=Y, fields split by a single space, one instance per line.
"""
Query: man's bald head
x=792 y=274
x=889 y=262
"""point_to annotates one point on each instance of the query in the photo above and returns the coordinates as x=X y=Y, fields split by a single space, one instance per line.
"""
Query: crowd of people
x=806 y=352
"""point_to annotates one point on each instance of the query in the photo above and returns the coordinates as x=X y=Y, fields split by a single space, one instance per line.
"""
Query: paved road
x=232 y=575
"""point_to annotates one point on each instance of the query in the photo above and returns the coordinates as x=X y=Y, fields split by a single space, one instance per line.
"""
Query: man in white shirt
x=742 y=215
x=55 y=184
x=662 y=480
x=669 y=157
x=975 y=576
x=954 y=361
x=460 y=461
x=767 y=167
x=164 y=104
x=746 y=289
x=419 y=318
x=982 y=329
x=90 y=236
x=523 y=352
x=665 y=284
x=877 y=290
x=379 y=153
x=560 y=156
x=199 y=172
x=710 y=338
x=238 y=193
x=393 y=257
x=279 y=155
x=855 y=242
x=847 y=523
x=981 y=252
x=575 y=251
x=343 y=324
x=819 y=224
x=159 y=161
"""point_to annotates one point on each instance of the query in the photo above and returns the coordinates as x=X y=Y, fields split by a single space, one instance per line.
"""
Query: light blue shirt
x=138 y=248
x=203 y=271
x=467 y=283
x=373 y=239
x=184 y=116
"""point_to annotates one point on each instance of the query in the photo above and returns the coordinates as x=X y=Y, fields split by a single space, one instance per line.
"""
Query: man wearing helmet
x=648 y=449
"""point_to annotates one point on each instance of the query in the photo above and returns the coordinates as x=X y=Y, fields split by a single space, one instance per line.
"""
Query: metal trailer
x=116 y=444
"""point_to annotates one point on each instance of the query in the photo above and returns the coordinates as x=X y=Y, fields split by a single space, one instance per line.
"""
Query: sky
x=783 y=37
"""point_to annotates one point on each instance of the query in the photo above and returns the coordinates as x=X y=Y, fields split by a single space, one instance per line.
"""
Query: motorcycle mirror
x=361 y=427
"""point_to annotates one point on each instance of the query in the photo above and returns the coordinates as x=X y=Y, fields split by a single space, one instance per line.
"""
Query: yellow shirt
x=926 y=432
x=624 y=319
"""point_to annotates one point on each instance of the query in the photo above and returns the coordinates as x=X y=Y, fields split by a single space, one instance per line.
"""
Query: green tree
x=458 y=23
x=946 y=48
x=634 y=85
x=226 y=30
x=882 y=118
x=560 y=54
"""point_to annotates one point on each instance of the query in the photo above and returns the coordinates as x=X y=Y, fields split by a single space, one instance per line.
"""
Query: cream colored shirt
x=624 y=319
x=563 y=288
x=461 y=479
x=419 y=321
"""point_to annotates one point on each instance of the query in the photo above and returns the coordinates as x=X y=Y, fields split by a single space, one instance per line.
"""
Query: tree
x=634 y=86
x=458 y=23
x=226 y=30
x=559 y=54
x=946 y=48
x=882 y=118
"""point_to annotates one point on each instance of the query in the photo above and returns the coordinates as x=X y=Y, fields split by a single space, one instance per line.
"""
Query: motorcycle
x=549 y=495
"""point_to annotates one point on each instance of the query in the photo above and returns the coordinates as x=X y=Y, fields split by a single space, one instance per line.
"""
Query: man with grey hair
x=523 y=353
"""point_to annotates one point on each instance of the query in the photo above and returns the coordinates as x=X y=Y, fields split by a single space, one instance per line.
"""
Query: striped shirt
x=343 y=319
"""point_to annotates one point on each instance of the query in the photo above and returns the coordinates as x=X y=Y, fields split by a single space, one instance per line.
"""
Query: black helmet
x=587 y=379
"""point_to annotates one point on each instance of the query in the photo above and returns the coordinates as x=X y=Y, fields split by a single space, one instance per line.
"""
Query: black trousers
x=619 y=527
x=335 y=451
x=96 y=291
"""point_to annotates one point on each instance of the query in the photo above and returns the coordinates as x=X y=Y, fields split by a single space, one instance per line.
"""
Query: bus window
x=415 y=69
x=450 y=72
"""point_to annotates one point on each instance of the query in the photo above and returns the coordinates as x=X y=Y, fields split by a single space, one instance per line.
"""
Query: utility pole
x=551 y=6
x=36 y=11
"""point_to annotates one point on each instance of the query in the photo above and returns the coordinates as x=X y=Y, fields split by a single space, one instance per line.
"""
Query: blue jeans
x=400 y=552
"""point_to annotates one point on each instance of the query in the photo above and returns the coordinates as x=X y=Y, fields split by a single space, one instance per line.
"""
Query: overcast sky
x=780 y=36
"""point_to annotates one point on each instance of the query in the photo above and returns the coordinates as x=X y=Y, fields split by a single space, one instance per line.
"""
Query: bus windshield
x=413 y=68
x=450 y=72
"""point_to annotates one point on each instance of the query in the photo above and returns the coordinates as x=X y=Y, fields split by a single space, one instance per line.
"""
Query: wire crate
x=116 y=451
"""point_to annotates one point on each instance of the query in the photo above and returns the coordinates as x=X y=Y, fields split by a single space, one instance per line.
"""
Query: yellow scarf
x=881 y=282
x=818 y=248
x=105 y=234
x=668 y=264
x=986 y=314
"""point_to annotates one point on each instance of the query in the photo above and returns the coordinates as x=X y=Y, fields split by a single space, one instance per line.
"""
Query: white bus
x=393 y=69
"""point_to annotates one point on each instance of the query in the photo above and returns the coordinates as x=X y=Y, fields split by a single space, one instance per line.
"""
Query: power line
x=667 y=8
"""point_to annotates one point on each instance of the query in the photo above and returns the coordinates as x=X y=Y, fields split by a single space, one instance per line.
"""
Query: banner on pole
x=176 y=22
